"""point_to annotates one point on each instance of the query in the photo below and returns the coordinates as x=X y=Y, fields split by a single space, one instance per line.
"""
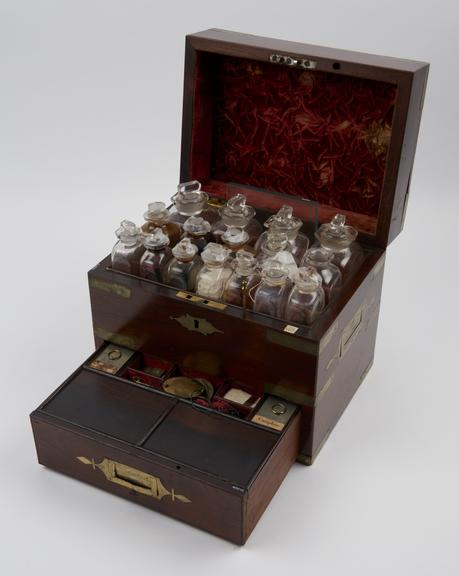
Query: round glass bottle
x=237 y=214
x=157 y=216
x=321 y=260
x=157 y=253
x=198 y=231
x=190 y=200
x=127 y=252
x=339 y=240
x=276 y=248
x=271 y=294
x=235 y=239
x=181 y=270
x=307 y=299
x=243 y=279
x=213 y=276
x=285 y=222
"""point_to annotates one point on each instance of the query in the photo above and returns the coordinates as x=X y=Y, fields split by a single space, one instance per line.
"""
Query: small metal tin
x=111 y=359
x=274 y=413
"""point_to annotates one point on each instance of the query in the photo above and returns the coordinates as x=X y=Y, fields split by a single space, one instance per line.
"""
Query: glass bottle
x=157 y=216
x=213 y=276
x=127 y=252
x=276 y=248
x=157 y=253
x=307 y=299
x=235 y=239
x=180 y=271
x=321 y=260
x=271 y=294
x=339 y=240
x=190 y=200
x=284 y=221
x=198 y=231
x=236 y=213
x=243 y=279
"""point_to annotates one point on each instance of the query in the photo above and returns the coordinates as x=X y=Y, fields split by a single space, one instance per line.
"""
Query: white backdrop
x=90 y=115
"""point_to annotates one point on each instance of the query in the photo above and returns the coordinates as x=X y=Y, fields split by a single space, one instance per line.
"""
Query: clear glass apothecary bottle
x=276 y=248
x=306 y=300
x=198 y=231
x=190 y=200
x=157 y=216
x=157 y=253
x=321 y=260
x=127 y=252
x=339 y=239
x=181 y=270
x=242 y=281
x=284 y=221
x=271 y=294
x=236 y=213
x=215 y=272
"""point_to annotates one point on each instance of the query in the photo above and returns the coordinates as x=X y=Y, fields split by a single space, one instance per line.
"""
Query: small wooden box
x=283 y=123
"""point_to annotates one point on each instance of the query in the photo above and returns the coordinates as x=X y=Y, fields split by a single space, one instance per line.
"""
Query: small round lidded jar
x=235 y=239
x=321 y=260
x=271 y=294
x=181 y=270
x=306 y=301
x=213 y=276
x=127 y=252
x=244 y=277
x=157 y=253
x=190 y=200
x=284 y=221
x=236 y=213
x=198 y=231
x=157 y=216
x=339 y=239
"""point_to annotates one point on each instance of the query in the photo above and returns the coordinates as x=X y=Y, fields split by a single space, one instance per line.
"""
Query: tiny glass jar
x=127 y=252
x=339 y=240
x=235 y=239
x=321 y=260
x=157 y=253
x=285 y=222
x=237 y=213
x=215 y=272
x=157 y=216
x=190 y=200
x=243 y=279
x=198 y=231
x=270 y=296
x=276 y=248
x=181 y=270
x=306 y=300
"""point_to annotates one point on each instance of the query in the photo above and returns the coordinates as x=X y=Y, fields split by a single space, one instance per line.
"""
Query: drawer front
x=139 y=479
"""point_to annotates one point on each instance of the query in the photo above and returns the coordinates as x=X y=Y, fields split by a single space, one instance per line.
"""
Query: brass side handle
x=133 y=479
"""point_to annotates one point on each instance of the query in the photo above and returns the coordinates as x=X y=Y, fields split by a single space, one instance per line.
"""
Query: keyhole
x=196 y=324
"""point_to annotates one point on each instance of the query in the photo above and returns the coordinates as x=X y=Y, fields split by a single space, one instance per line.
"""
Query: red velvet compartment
x=304 y=133
x=136 y=370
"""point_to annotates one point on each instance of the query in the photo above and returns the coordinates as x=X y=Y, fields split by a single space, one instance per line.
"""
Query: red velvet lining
x=309 y=134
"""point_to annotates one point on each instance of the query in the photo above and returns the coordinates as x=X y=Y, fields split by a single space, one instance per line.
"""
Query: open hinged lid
x=285 y=122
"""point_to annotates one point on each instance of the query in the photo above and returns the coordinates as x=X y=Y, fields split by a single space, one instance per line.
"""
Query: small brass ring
x=115 y=354
x=279 y=409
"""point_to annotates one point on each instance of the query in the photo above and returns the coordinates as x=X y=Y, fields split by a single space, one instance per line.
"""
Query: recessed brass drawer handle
x=133 y=479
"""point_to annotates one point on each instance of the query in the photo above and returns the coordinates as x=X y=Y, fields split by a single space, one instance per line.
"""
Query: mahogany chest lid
x=286 y=122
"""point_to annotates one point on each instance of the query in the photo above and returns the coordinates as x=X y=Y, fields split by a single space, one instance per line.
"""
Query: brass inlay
x=351 y=331
x=326 y=339
x=212 y=304
x=327 y=385
x=133 y=479
x=291 y=329
x=189 y=297
x=193 y=324
x=118 y=339
x=111 y=287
